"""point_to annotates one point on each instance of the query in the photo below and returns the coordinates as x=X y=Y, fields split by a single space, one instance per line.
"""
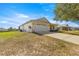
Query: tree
x=10 y=29
x=67 y=12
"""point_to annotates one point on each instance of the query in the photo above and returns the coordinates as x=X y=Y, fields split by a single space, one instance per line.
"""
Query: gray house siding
x=38 y=25
x=41 y=28
x=28 y=27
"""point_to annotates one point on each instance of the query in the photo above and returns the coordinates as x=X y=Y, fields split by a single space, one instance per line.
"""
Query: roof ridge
x=42 y=18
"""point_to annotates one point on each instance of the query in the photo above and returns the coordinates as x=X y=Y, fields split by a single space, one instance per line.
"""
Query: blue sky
x=13 y=15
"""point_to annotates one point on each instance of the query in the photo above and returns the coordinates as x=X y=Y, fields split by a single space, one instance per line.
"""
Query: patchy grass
x=74 y=32
x=20 y=43
x=7 y=34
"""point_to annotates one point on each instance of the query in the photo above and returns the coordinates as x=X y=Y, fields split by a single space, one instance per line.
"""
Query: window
x=29 y=27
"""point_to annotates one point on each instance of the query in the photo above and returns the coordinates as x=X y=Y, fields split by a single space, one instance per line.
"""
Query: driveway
x=66 y=37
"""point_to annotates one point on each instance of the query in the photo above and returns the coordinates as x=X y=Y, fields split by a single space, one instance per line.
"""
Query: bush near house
x=20 y=43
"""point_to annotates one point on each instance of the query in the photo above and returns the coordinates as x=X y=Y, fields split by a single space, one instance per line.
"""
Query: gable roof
x=36 y=21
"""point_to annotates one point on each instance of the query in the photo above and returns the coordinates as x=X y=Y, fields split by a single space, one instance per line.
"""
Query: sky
x=15 y=14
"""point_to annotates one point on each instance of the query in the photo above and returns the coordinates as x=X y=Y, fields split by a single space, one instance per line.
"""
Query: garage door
x=41 y=28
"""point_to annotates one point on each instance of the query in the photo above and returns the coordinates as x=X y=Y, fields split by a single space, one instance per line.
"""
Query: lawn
x=25 y=44
x=8 y=34
x=73 y=32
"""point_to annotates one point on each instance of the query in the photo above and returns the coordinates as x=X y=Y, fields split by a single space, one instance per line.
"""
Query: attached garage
x=41 y=28
x=38 y=25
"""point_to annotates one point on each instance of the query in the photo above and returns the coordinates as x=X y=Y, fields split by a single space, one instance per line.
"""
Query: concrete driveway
x=66 y=37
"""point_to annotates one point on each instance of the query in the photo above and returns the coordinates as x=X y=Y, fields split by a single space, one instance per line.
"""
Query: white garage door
x=41 y=28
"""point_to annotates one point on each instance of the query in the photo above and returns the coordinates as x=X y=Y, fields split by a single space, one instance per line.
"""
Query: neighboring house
x=2 y=29
x=67 y=28
x=77 y=28
x=38 y=25
x=53 y=27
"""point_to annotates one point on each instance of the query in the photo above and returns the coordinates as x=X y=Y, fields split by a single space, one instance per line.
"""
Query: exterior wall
x=28 y=27
x=41 y=28
x=35 y=27
x=21 y=28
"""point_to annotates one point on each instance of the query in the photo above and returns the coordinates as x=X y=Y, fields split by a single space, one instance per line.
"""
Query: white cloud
x=22 y=16
x=14 y=20
x=3 y=21
x=52 y=21
x=7 y=22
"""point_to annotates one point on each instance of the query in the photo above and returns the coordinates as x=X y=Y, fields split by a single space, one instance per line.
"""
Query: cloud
x=7 y=22
x=22 y=16
x=3 y=21
x=14 y=20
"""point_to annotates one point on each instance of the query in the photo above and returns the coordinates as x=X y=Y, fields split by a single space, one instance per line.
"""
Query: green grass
x=7 y=35
x=20 y=43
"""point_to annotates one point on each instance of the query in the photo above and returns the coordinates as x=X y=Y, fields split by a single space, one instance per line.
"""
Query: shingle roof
x=40 y=20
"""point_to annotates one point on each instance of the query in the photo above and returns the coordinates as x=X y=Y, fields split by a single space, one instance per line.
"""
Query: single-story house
x=67 y=28
x=37 y=25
